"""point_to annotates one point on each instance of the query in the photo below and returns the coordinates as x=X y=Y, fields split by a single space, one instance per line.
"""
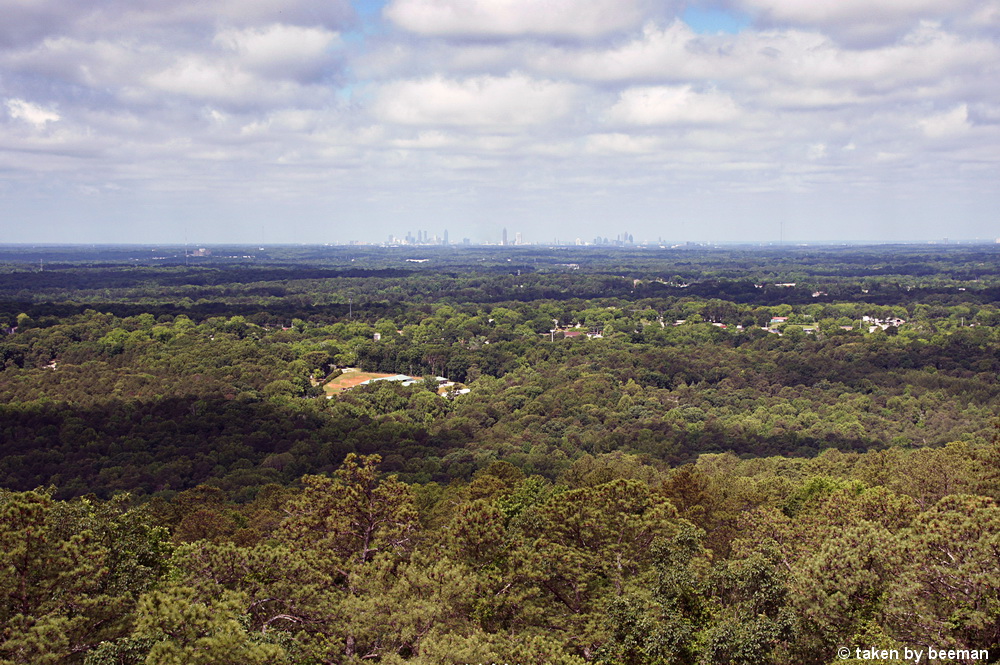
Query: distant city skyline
x=332 y=121
x=425 y=238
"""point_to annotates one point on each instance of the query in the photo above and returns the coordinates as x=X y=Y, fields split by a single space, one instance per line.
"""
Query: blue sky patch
x=369 y=9
x=713 y=21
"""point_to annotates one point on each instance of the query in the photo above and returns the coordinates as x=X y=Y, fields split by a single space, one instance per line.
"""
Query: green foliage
x=185 y=630
x=124 y=651
x=660 y=624
x=711 y=492
x=73 y=572
x=348 y=571
x=754 y=623
x=948 y=589
x=353 y=516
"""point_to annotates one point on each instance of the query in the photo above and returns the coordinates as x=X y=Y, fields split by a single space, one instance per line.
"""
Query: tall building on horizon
x=445 y=239
x=503 y=237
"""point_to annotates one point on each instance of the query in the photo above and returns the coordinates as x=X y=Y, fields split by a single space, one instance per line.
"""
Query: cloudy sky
x=337 y=120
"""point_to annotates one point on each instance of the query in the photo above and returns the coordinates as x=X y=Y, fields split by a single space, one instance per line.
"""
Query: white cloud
x=943 y=125
x=619 y=143
x=515 y=18
x=510 y=101
x=100 y=64
x=928 y=54
x=435 y=140
x=802 y=97
x=983 y=19
x=31 y=113
x=859 y=22
x=667 y=105
x=817 y=151
x=253 y=99
x=279 y=49
x=204 y=78
x=178 y=21
x=822 y=11
x=804 y=68
x=273 y=64
x=658 y=53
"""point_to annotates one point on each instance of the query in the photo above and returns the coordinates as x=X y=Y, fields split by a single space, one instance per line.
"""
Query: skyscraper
x=503 y=237
x=445 y=240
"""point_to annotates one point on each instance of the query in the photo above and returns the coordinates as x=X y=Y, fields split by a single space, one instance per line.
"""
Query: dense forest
x=687 y=455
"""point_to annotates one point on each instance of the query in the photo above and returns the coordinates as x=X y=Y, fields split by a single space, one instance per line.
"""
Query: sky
x=329 y=121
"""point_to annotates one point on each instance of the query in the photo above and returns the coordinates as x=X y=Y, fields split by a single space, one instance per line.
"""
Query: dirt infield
x=349 y=380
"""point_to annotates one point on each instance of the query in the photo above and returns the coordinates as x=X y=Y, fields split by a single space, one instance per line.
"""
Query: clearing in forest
x=349 y=380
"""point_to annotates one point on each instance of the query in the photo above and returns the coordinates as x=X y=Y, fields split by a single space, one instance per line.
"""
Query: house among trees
x=876 y=323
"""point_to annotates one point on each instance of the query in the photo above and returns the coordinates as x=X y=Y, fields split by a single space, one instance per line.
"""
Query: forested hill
x=844 y=557
x=153 y=378
x=740 y=456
